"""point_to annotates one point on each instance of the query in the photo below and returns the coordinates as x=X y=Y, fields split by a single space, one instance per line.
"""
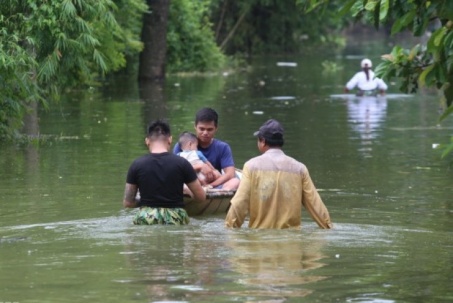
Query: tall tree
x=154 y=38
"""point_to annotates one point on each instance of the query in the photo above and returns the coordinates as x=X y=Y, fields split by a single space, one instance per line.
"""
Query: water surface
x=64 y=236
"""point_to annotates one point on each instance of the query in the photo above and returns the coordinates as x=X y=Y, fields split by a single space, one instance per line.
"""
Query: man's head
x=188 y=141
x=158 y=131
x=206 y=114
x=206 y=121
x=271 y=133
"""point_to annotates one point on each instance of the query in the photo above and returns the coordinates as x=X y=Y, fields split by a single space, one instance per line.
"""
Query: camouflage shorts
x=159 y=215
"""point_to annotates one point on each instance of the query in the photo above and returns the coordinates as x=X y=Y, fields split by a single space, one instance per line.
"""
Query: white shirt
x=193 y=156
x=362 y=83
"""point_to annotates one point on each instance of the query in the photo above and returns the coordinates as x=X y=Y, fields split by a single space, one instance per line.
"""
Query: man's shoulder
x=294 y=162
x=257 y=161
x=265 y=160
x=141 y=158
x=219 y=143
x=254 y=159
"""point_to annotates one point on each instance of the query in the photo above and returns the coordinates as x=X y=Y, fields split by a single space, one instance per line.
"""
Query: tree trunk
x=154 y=38
x=152 y=94
x=31 y=120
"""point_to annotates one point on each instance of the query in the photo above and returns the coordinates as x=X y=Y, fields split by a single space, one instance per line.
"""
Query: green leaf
x=69 y=8
x=448 y=149
x=438 y=35
x=413 y=53
x=396 y=51
x=356 y=9
x=448 y=93
x=448 y=41
x=423 y=75
x=382 y=68
x=346 y=7
x=376 y=14
x=384 y=9
x=431 y=45
x=419 y=25
x=446 y=113
x=99 y=59
x=370 y=6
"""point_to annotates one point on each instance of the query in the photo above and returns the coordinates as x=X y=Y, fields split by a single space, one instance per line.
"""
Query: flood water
x=64 y=236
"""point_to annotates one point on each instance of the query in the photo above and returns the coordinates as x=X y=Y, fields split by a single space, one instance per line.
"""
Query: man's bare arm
x=228 y=174
x=130 y=192
x=198 y=193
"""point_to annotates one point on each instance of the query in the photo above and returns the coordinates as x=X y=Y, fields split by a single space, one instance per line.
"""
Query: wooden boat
x=217 y=202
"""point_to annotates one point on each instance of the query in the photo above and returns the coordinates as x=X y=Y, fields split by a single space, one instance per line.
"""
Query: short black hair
x=186 y=137
x=158 y=128
x=207 y=114
x=272 y=142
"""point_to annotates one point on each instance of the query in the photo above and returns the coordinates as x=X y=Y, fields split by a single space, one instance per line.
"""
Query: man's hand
x=208 y=172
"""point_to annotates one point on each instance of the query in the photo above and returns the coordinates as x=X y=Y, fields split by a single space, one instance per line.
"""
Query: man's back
x=273 y=189
x=160 y=179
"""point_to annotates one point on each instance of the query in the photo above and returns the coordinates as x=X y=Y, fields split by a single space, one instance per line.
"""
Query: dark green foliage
x=190 y=40
x=49 y=45
x=272 y=26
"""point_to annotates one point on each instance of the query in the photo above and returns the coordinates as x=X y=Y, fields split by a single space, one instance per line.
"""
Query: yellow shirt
x=272 y=191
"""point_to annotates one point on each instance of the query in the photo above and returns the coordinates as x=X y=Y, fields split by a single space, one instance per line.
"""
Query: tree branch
x=231 y=33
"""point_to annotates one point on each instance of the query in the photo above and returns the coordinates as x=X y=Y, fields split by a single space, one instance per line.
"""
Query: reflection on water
x=152 y=94
x=65 y=237
x=275 y=265
x=366 y=115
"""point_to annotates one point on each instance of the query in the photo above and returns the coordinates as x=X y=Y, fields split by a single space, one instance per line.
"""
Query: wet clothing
x=218 y=153
x=160 y=179
x=272 y=191
x=165 y=216
x=360 y=81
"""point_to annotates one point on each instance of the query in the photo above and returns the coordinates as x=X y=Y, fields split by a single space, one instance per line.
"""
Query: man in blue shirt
x=216 y=151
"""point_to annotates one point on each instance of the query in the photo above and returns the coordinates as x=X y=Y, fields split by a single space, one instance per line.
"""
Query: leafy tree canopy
x=48 y=45
x=272 y=26
x=190 y=40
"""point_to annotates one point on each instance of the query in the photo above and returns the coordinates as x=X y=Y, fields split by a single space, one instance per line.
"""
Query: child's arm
x=202 y=157
x=206 y=161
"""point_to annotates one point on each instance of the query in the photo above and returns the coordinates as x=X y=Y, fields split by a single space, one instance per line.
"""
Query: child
x=189 y=146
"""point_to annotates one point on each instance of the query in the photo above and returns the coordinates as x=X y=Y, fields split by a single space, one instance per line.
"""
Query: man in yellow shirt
x=274 y=187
